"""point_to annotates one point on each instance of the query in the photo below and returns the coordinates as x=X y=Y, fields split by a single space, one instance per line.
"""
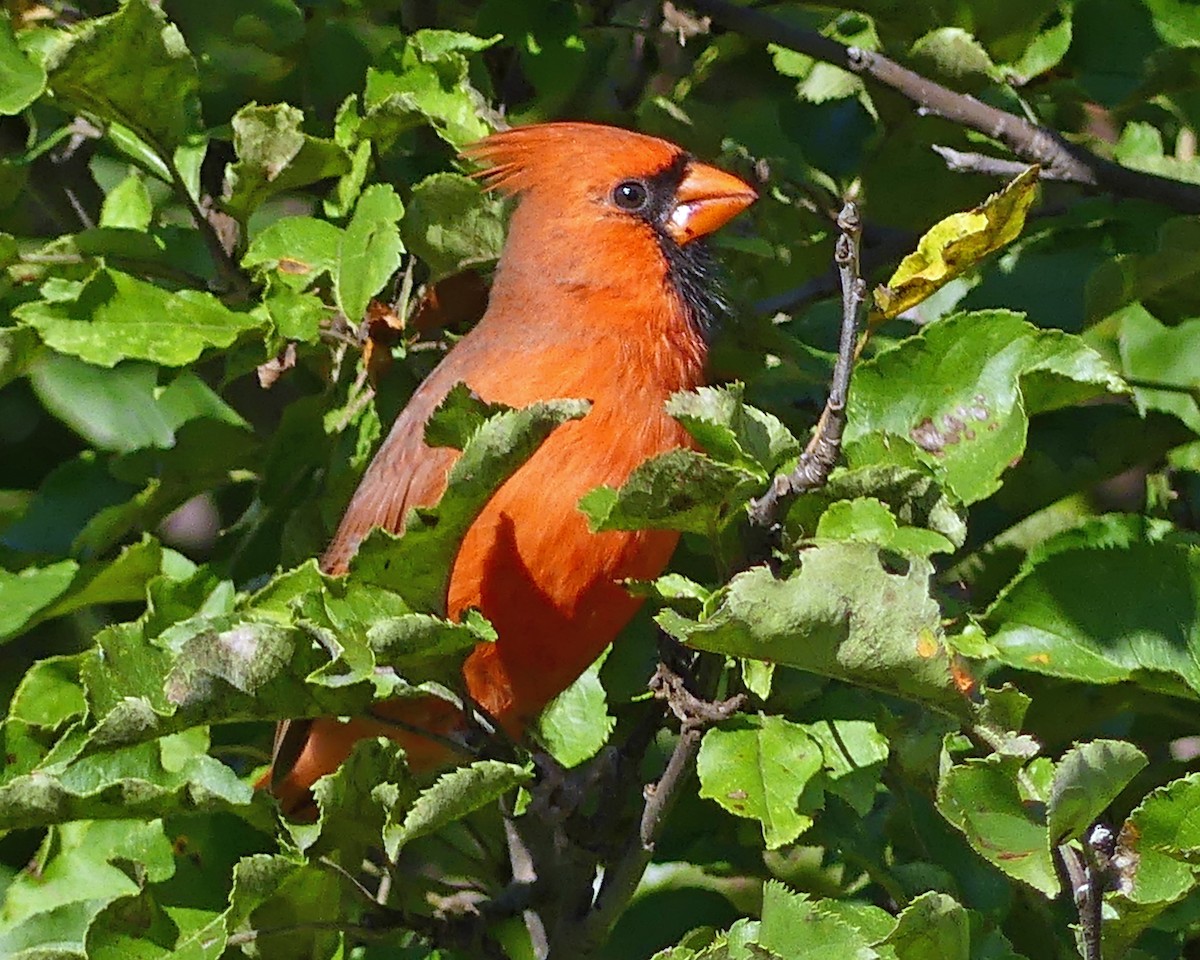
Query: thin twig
x=227 y=269
x=1029 y=141
x=959 y=162
x=1086 y=889
x=623 y=874
x=822 y=451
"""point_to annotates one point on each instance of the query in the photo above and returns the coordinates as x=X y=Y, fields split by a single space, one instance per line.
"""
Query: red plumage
x=587 y=302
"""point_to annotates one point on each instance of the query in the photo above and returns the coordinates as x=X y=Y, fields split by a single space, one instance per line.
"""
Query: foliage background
x=199 y=199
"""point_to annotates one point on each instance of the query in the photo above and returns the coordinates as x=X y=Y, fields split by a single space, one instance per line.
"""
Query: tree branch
x=623 y=874
x=822 y=451
x=1035 y=144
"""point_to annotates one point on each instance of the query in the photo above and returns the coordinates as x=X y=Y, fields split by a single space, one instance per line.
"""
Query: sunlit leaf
x=956 y=244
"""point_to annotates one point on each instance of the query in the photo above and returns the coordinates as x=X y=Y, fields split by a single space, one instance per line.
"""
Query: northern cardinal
x=603 y=291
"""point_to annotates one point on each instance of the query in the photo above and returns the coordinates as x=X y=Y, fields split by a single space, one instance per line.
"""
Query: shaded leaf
x=1087 y=779
x=417 y=565
x=677 y=490
x=1067 y=615
x=159 y=101
x=275 y=155
x=451 y=224
x=932 y=927
x=21 y=80
x=452 y=797
x=732 y=432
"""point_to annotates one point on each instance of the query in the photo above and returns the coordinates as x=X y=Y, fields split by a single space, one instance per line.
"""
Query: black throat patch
x=692 y=270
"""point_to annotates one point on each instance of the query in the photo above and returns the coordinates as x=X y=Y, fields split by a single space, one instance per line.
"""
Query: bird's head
x=606 y=173
x=601 y=207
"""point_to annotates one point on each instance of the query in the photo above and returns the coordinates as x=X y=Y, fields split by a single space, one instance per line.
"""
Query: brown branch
x=693 y=704
x=959 y=162
x=822 y=451
x=1086 y=886
x=1032 y=143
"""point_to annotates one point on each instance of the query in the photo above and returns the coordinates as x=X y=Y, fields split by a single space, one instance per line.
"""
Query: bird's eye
x=631 y=195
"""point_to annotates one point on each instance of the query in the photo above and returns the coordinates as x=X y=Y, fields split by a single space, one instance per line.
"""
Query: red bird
x=603 y=291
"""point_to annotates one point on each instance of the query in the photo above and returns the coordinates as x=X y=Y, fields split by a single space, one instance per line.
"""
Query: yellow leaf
x=956 y=244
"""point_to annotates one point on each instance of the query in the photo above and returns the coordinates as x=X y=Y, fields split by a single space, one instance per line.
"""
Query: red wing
x=405 y=473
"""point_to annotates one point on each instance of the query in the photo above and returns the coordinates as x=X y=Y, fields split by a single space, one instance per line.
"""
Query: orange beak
x=707 y=199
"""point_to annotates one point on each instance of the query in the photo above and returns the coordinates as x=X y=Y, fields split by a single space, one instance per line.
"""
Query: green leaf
x=50 y=693
x=1163 y=835
x=421 y=647
x=1163 y=278
x=867 y=520
x=300 y=249
x=677 y=490
x=24 y=594
x=854 y=753
x=297 y=316
x=1176 y=21
x=993 y=370
x=909 y=491
x=794 y=927
x=452 y=797
x=370 y=250
x=128 y=204
x=576 y=724
x=117 y=317
x=1157 y=358
x=757 y=768
x=732 y=432
x=134 y=781
x=955 y=53
x=1141 y=148
x=982 y=799
x=1069 y=616
x=74 y=493
x=1087 y=779
x=123 y=409
x=48 y=912
x=301 y=903
x=121 y=580
x=932 y=927
x=417 y=565
x=845 y=614
x=819 y=82
x=371 y=785
x=159 y=101
x=425 y=80
x=1045 y=51
x=18 y=348
x=452 y=224
x=21 y=79
x=216 y=665
x=459 y=416
x=275 y=155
